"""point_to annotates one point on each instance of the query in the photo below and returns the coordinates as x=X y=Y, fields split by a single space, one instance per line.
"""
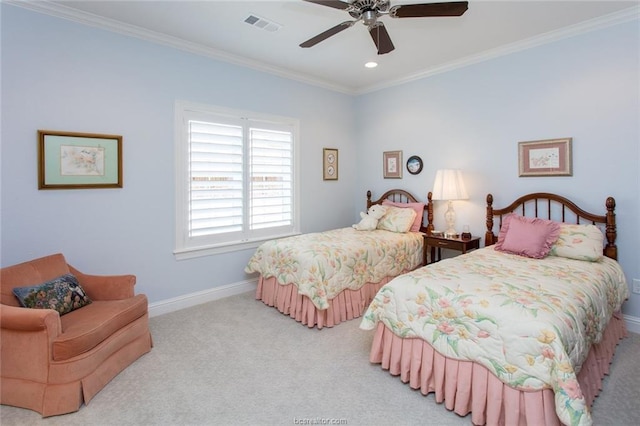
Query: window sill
x=194 y=252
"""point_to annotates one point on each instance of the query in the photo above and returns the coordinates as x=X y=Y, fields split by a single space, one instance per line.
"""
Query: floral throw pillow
x=62 y=294
x=418 y=207
x=580 y=242
x=397 y=219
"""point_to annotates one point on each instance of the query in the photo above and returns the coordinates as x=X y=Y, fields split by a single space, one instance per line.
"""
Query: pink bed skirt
x=466 y=387
x=347 y=305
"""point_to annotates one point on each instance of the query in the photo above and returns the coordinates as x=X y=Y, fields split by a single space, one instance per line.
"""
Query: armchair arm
x=106 y=287
x=26 y=337
x=25 y=319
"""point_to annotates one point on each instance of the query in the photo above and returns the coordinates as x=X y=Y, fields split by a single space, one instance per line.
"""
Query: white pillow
x=581 y=242
x=397 y=219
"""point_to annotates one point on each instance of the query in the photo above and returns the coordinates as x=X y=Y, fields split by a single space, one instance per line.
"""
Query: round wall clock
x=414 y=164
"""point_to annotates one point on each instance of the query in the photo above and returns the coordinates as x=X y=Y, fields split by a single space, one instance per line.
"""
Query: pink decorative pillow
x=418 y=207
x=526 y=236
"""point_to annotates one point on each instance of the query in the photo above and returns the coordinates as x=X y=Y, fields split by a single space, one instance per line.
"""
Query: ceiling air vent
x=262 y=23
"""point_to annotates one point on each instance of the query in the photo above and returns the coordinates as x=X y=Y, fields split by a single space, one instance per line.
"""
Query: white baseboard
x=193 y=299
x=633 y=323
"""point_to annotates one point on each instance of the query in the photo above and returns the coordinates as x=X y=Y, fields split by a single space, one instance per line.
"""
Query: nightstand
x=439 y=243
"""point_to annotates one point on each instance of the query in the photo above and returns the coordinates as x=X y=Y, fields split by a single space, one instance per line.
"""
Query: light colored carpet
x=236 y=361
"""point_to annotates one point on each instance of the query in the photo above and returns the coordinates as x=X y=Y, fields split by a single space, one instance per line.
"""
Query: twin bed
x=322 y=279
x=521 y=331
x=510 y=338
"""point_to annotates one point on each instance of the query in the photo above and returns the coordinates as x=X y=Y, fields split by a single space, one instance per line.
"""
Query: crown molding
x=616 y=18
x=61 y=11
x=90 y=19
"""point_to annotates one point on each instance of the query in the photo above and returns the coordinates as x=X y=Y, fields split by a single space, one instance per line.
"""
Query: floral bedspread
x=531 y=322
x=323 y=264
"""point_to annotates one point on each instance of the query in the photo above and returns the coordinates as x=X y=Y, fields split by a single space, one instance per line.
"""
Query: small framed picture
x=550 y=157
x=392 y=164
x=329 y=164
x=414 y=165
x=68 y=160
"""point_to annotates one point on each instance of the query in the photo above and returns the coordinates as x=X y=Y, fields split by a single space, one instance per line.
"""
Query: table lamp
x=449 y=186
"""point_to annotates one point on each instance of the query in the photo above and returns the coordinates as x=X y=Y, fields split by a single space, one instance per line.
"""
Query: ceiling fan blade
x=381 y=38
x=336 y=4
x=326 y=34
x=456 y=8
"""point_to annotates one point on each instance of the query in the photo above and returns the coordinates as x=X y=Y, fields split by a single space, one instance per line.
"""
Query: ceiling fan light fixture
x=371 y=64
x=369 y=17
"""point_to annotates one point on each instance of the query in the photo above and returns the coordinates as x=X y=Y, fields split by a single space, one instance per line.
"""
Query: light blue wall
x=586 y=87
x=58 y=75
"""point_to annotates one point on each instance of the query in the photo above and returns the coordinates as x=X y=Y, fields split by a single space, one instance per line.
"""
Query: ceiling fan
x=368 y=11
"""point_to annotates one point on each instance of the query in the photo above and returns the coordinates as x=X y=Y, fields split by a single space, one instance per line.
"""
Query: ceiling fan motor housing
x=368 y=9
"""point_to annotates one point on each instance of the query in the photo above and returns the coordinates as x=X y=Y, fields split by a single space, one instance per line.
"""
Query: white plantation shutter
x=235 y=180
x=271 y=179
x=215 y=202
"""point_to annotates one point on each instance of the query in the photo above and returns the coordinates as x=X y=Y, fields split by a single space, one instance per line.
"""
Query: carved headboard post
x=369 y=202
x=429 y=213
x=611 y=250
x=489 y=237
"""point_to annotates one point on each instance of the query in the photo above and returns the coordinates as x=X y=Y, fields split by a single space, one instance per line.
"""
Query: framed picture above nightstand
x=432 y=242
x=392 y=164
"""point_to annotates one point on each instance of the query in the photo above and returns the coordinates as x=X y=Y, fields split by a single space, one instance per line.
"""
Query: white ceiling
x=423 y=45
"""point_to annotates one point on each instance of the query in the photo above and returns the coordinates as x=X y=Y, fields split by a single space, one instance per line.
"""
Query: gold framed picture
x=329 y=164
x=69 y=160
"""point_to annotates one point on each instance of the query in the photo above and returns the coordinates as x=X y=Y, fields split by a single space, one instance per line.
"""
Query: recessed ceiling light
x=371 y=64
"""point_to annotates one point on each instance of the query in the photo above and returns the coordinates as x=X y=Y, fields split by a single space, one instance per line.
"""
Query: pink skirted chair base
x=347 y=305
x=466 y=387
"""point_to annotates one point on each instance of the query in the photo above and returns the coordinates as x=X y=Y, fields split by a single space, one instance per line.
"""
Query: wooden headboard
x=402 y=196
x=558 y=208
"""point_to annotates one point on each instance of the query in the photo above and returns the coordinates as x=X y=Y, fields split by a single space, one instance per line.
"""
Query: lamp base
x=450 y=218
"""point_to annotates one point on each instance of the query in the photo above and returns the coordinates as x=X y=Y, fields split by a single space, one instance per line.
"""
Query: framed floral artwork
x=68 y=160
x=549 y=157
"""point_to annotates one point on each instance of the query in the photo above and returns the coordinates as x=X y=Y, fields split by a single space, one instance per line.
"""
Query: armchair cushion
x=63 y=294
x=86 y=328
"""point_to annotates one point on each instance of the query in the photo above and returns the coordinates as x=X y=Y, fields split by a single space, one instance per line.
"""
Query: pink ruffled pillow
x=418 y=207
x=526 y=236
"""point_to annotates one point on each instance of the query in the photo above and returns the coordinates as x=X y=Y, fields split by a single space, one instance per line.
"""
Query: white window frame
x=187 y=247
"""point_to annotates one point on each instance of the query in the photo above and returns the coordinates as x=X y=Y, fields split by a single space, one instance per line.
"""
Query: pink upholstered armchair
x=52 y=363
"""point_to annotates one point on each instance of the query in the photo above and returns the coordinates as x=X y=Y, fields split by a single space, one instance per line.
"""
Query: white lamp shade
x=449 y=185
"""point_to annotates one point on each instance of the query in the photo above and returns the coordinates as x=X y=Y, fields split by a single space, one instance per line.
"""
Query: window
x=236 y=179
